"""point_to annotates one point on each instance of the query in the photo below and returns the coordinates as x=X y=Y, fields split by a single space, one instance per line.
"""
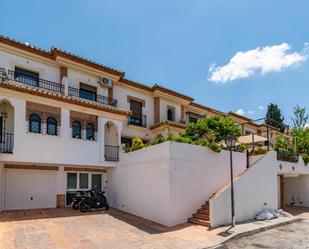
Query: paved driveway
x=65 y=228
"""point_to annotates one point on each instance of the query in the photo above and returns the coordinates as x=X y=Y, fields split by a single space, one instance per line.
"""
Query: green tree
x=274 y=117
x=300 y=118
x=214 y=129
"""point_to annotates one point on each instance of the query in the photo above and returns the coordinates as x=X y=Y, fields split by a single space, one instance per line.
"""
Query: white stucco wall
x=164 y=103
x=45 y=70
x=62 y=149
x=140 y=184
x=121 y=94
x=288 y=168
x=168 y=182
x=255 y=190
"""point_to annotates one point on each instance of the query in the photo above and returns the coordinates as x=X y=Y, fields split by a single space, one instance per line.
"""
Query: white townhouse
x=63 y=120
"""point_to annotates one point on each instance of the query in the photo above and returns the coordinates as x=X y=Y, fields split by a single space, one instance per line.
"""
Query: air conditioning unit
x=105 y=82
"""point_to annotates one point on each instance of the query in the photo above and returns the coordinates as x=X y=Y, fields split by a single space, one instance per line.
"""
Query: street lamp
x=230 y=142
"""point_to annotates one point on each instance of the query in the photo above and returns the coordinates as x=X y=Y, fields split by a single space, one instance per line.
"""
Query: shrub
x=305 y=158
x=214 y=147
x=137 y=143
x=241 y=148
x=208 y=132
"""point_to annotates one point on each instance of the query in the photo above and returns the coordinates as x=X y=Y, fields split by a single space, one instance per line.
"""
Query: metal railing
x=111 y=153
x=31 y=81
x=137 y=120
x=74 y=92
x=6 y=142
x=287 y=156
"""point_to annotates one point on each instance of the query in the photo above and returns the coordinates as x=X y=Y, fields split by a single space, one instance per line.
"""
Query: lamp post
x=230 y=141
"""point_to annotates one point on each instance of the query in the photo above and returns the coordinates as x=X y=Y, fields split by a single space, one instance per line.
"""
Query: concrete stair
x=201 y=217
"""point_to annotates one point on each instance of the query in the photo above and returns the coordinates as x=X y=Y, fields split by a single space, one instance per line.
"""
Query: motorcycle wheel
x=83 y=207
x=106 y=207
x=75 y=206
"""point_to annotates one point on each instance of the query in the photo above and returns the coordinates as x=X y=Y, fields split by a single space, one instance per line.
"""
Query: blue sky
x=174 y=43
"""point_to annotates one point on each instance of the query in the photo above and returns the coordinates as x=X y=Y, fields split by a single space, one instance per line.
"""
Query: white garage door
x=26 y=189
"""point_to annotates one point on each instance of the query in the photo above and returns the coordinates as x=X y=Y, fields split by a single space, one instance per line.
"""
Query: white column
x=119 y=125
x=65 y=129
x=61 y=181
x=101 y=137
x=65 y=83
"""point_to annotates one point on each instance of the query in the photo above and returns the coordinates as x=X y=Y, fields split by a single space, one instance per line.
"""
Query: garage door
x=26 y=189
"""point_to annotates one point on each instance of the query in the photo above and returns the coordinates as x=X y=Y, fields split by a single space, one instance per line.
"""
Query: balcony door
x=88 y=92
x=137 y=111
x=26 y=77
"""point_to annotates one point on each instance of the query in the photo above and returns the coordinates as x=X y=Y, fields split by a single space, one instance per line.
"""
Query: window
x=171 y=113
x=35 y=123
x=96 y=182
x=137 y=109
x=83 y=181
x=90 y=131
x=26 y=77
x=192 y=119
x=76 y=130
x=72 y=181
x=80 y=182
x=247 y=132
x=87 y=92
x=127 y=142
x=51 y=126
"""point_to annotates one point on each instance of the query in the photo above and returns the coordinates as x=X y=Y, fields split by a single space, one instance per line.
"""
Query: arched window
x=90 y=131
x=51 y=126
x=76 y=130
x=35 y=123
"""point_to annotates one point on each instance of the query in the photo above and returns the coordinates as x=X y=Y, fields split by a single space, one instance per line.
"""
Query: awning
x=251 y=138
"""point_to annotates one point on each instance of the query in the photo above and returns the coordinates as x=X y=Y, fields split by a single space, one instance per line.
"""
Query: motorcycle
x=78 y=197
x=98 y=200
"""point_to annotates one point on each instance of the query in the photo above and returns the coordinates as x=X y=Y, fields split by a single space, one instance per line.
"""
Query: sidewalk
x=249 y=228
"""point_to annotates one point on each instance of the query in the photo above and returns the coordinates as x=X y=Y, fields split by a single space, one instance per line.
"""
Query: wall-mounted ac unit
x=105 y=82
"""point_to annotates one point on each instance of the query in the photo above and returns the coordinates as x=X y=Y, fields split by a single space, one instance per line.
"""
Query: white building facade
x=64 y=120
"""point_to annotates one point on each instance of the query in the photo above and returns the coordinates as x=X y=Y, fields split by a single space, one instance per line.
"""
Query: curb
x=252 y=232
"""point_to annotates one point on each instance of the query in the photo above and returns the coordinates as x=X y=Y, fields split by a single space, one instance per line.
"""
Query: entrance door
x=28 y=189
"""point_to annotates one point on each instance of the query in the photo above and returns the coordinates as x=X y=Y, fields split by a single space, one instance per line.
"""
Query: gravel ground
x=292 y=236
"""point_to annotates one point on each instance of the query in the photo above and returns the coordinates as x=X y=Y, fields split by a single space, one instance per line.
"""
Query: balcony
x=31 y=81
x=6 y=143
x=137 y=120
x=287 y=156
x=74 y=92
x=111 y=153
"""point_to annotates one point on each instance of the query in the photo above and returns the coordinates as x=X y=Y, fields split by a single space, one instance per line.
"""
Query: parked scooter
x=97 y=201
x=78 y=197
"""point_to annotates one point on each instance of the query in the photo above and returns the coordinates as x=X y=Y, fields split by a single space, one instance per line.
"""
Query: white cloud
x=261 y=107
x=250 y=112
x=266 y=59
x=241 y=112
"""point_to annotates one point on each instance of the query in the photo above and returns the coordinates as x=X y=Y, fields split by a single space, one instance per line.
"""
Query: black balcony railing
x=137 y=119
x=287 y=156
x=74 y=92
x=111 y=153
x=6 y=142
x=31 y=81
